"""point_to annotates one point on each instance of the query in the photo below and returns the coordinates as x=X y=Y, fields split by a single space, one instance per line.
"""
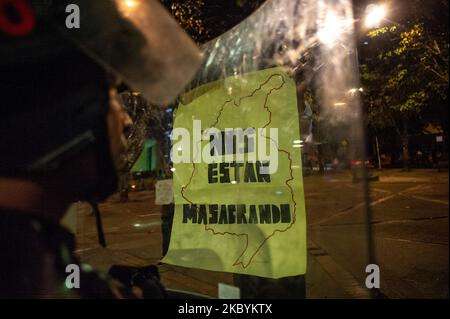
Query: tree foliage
x=405 y=72
x=204 y=20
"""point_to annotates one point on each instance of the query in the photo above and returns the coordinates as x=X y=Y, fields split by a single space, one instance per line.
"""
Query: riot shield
x=263 y=199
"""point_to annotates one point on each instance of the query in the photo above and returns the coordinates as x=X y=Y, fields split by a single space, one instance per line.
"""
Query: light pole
x=375 y=15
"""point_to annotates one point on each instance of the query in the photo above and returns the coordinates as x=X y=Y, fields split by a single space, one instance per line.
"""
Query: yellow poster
x=238 y=185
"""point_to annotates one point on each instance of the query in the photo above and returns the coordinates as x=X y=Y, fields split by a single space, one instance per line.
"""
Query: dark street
x=410 y=224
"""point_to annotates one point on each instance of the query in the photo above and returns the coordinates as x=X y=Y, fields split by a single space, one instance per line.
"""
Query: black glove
x=146 y=278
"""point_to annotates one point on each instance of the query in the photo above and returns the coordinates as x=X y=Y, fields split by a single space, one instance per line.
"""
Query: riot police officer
x=61 y=124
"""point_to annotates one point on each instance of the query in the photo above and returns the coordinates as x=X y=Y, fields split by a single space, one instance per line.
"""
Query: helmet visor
x=136 y=40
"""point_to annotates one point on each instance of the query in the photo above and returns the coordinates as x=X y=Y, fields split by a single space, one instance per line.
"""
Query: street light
x=375 y=13
x=333 y=26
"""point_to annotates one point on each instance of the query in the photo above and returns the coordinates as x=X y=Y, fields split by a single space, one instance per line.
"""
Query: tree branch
x=435 y=72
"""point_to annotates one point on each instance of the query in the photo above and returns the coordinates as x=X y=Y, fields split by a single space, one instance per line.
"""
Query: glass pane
x=299 y=231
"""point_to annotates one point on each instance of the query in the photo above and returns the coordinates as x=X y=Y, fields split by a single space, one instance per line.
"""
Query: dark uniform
x=56 y=131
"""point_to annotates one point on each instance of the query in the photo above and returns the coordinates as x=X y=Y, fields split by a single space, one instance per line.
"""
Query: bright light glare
x=374 y=15
x=127 y=7
x=340 y=104
x=354 y=90
x=331 y=29
x=130 y=3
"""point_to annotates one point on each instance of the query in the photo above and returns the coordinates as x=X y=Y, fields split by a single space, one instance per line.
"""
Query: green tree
x=204 y=20
x=404 y=69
